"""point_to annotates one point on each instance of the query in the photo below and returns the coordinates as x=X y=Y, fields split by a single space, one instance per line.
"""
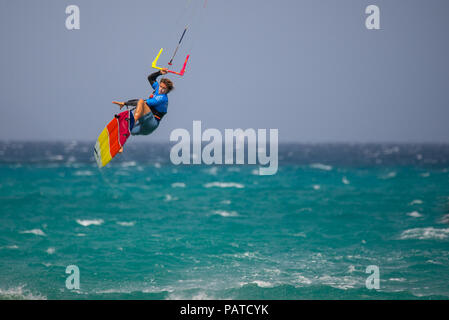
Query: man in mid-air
x=149 y=112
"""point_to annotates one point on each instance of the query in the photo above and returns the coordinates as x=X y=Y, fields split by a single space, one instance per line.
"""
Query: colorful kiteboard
x=113 y=137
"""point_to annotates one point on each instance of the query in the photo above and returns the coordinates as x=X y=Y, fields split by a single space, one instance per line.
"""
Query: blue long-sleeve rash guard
x=159 y=102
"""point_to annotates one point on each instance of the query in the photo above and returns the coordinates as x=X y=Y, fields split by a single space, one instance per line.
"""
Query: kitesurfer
x=149 y=112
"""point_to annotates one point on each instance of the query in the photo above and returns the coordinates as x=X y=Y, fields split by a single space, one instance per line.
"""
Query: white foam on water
x=126 y=224
x=178 y=185
x=445 y=219
x=213 y=171
x=316 y=187
x=84 y=173
x=125 y=288
x=157 y=165
x=224 y=185
x=70 y=146
x=321 y=166
x=392 y=150
x=414 y=214
x=425 y=234
x=80 y=234
x=197 y=296
x=127 y=164
x=425 y=175
x=170 y=198
x=37 y=232
x=416 y=201
x=300 y=234
x=226 y=213
x=122 y=173
x=86 y=223
x=255 y=172
x=50 y=250
x=20 y=293
x=351 y=269
x=250 y=255
x=263 y=284
x=113 y=290
x=58 y=157
x=10 y=247
x=389 y=175
x=226 y=202
x=397 y=279
x=345 y=180
x=300 y=279
x=275 y=271
x=339 y=282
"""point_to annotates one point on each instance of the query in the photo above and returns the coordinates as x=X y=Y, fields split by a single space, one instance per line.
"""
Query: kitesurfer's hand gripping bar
x=180 y=73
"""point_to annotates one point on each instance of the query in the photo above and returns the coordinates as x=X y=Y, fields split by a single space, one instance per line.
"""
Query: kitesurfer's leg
x=146 y=125
x=141 y=110
x=132 y=102
x=120 y=104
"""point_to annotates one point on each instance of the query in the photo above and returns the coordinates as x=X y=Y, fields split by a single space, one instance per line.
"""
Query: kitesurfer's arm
x=152 y=77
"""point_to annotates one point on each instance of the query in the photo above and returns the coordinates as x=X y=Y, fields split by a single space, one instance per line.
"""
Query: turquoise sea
x=143 y=228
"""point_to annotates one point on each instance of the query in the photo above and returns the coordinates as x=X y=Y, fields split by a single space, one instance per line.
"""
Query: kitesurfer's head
x=165 y=86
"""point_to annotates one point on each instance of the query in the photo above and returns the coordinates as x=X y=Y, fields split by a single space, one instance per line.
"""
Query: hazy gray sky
x=308 y=68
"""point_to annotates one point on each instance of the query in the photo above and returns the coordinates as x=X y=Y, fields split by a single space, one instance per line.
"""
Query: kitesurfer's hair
x=168 y=83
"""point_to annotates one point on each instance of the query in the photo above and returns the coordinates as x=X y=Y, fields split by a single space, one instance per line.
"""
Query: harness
x=158 y=115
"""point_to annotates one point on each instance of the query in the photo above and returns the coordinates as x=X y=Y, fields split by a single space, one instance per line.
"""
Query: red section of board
x=114 y=145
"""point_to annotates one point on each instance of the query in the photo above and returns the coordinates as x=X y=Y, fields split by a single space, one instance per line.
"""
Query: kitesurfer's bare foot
x=121 y=104
x=121 y=150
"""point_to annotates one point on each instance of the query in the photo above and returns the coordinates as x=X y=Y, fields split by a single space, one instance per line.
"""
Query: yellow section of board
x=103 y=141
